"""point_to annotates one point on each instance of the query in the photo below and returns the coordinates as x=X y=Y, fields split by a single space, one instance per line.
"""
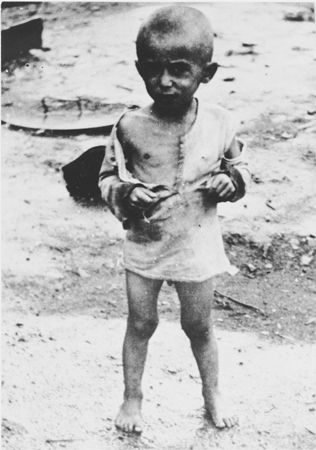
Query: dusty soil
x=63 y=281
x=72 y=382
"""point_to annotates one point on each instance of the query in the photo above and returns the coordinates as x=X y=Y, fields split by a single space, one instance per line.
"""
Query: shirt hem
x=232 y=270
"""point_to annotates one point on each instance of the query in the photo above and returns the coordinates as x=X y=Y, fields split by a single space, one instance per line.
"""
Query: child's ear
x=209 y=72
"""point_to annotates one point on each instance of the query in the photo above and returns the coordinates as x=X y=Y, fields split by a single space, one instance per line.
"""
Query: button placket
x=179 y=175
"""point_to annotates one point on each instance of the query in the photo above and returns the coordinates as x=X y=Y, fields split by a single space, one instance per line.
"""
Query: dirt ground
x=63 y=304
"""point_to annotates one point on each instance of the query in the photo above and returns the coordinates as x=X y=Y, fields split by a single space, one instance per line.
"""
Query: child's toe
x=138 y=429
x=219 y=423
x=228 y=422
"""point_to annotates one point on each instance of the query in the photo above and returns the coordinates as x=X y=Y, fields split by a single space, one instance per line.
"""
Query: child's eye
x=151 y=67
x=178 y=69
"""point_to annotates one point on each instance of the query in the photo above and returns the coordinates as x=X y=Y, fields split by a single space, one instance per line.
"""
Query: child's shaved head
x=187 y=25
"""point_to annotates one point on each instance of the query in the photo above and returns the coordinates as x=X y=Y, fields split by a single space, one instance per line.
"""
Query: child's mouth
x=166 y=98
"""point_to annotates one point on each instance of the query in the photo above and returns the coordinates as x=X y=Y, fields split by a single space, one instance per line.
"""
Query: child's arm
x=230 y=185
x=114 y=191
x=123 y=194
x=235 y=164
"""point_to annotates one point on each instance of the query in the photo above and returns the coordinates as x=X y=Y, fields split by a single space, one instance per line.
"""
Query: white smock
x=180 y=238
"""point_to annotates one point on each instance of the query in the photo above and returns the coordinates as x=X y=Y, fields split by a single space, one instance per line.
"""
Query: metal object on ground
x=60 y=115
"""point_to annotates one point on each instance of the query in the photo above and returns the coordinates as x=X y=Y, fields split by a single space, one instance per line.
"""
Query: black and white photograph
x=158 y=225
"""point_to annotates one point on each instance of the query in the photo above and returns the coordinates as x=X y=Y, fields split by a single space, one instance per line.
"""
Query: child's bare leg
x=196 y=302
x=142 y=294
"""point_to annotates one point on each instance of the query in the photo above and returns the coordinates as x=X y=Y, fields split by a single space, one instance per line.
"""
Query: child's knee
x=143 y=328
x=197 y=330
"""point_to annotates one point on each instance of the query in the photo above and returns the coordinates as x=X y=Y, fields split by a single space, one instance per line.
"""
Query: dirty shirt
x=179 y=238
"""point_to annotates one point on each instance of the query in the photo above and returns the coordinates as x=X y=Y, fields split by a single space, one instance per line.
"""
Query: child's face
x=172 y=71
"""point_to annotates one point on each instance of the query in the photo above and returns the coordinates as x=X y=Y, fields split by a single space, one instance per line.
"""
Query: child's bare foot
x=129 y=418
x=220 y=418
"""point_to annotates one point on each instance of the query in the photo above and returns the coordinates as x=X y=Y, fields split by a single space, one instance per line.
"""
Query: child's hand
x=142 y=197
x=223 y=186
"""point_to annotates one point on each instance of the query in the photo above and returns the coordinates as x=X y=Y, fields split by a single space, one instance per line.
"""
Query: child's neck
x=186 y=113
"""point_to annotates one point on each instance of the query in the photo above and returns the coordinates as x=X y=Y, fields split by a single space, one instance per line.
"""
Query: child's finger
x=150 y=193
x=220 y=186
x=142 y=195
x=219 y=180
x=223 y=184
x=225 y=191
x=214 y=182
x=145 y=197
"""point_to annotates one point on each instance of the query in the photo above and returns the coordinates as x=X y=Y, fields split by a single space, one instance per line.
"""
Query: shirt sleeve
x=236 y=168
x=115 y=182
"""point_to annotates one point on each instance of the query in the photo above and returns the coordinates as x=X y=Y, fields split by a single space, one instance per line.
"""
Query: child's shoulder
x=221 y=117
x=217 y=111
x=131 y=122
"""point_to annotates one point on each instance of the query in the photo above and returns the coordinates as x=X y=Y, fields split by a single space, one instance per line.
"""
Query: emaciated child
x=166 y=167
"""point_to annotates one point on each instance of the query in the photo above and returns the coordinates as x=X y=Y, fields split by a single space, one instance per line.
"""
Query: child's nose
x=165 y=79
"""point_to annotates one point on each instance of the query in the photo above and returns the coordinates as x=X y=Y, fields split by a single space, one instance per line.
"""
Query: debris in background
x=286 y=135
x=297 y=48
x=223 y=305
x=282 y=336
x=53 y=164
x=238 y=302
x=265 y=333
x=295 y=243
x=249 y=51
x=172 y=371
x=229 y=79
x=306 y=260
x=19 y=39
x=248 y=44
x=307 y=126
x=126 y=88
x=225 y=66
x=83 y=273
x=271 y=409
x=301 y=15
x=56 y=441
x=310 y=321
x=251 y=267
x=82 y=174
x=284 y=179
x=269 y=204
x=256 y=179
